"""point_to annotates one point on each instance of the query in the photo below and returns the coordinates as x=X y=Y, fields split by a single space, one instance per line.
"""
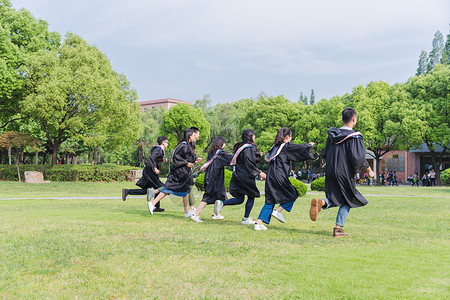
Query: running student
x=246 y=155
x=214 y=177
x=180 y=178
x=345 y=156
x=279 y=189
x=150 y=175
x=196 y=137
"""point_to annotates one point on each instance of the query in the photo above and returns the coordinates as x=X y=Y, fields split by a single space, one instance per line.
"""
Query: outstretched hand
x=199 y=159
x=312 y=143
x=371 y=174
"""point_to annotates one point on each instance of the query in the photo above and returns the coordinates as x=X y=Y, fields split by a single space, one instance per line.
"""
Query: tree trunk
x=96 y=155
x=377 y=171
x=9 y=155
x=55 y=148
x=36 y=158
x=17 y=165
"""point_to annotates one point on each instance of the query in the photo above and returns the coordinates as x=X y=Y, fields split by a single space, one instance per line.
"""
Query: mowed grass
x=106 y=248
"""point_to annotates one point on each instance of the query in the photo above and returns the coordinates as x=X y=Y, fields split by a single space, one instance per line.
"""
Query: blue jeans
x=266 y=212
x=342 y=213
x=239 y=200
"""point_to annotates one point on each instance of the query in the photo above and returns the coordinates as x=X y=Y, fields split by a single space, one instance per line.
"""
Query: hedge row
x=318 y=184
x=445 y=177
x=70 y=172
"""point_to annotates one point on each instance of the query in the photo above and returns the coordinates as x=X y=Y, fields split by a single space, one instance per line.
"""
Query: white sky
x=235 y=49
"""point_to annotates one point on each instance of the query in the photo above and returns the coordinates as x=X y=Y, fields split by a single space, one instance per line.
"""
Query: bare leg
x=185 y=203
x=280 y=209
x=158 y=198
x=200 y=207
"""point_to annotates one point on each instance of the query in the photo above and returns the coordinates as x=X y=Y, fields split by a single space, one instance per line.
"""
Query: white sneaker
x=189 y=214
x=279 y=216
x=196 y=219
x=151 y=207
x=217 y=217
x=218 y=206
x=259 y=227
x=249 y=221
x=149 y=195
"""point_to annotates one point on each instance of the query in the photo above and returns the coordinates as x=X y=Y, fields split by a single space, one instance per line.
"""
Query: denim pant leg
x=266 y=212
x=342 y=213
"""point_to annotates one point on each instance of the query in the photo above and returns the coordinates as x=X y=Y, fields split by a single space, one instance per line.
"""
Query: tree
x=381 y=118
x=312 y=99
x=20 y=35
x=303 y=99
x=437 y=51
x=15 y=140
x=423 y=63
x=74 y=93
x=181 y=117
x=446 y=53
x=268 y=115
x=315 y=121
x=429 y=99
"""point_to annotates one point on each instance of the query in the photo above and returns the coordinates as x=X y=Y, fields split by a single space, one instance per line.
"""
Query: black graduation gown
x=343 y=161
x=278 y=188
x=149 y=178
x=243 y=179
x=180 y=176
x=215 y=178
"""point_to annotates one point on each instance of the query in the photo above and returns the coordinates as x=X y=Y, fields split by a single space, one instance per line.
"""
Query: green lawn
x=106 y=248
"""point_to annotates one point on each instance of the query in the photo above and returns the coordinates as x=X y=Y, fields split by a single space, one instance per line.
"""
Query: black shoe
x=124 y=194
x=157 y=209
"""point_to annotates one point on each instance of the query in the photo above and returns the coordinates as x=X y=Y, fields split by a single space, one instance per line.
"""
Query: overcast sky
x=234 y=49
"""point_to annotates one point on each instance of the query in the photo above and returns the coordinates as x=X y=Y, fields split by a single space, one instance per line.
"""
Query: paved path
x=198 y=196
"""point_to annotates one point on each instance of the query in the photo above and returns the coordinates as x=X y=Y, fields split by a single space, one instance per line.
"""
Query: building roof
x=161 y=101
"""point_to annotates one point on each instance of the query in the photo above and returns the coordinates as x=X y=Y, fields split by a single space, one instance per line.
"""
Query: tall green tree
x=314 y=122
x=268 y=115
x=312 y=98
x=446 y=53
x=423 y=63
x=382 y=118
x=74 y=93
x=181 y=117
x=303 y=99
x=20 y=35
x=437 y=51
x=429 y=96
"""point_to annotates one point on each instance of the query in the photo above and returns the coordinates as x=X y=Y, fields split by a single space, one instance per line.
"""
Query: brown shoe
x=316 y=206
x=124 y=194
x=338 y=232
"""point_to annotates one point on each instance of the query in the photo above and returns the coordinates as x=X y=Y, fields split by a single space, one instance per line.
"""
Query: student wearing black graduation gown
x=278 y=188
x=246 y=155
x=150 y=175
x=345 y=156
x=214 y=177
x=191 y=194
x=180 y=178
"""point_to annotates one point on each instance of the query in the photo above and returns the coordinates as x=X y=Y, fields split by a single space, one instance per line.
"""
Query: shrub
x=445 y=177
x=70 y=172
x=318 y=184
x=200 y=181
x=299 y=186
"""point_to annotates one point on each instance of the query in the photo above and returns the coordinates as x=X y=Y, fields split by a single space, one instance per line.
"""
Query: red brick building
x=406 y=163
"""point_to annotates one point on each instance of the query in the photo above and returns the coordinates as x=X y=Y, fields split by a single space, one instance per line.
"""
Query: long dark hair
x=216 y=144
x=281 y=134
x=187 y=134
x=247 y=138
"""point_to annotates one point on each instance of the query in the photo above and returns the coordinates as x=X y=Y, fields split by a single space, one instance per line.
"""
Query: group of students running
x=278 y=189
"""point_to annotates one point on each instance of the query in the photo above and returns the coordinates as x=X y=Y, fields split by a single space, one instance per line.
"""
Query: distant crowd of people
x=309 y=176
x=428 y=179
